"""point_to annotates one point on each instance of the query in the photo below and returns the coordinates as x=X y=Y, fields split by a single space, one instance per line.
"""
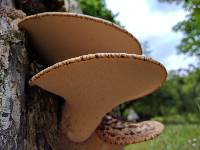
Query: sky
x=151 y=21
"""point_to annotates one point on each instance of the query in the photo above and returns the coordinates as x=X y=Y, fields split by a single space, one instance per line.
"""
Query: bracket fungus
x=59 y=36
x=94 y=84
x=96 y=66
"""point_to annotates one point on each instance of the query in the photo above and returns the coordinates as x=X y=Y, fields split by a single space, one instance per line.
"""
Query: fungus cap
x=114 y=134
x=58 y=36
x=94 y=84
x=115 y=131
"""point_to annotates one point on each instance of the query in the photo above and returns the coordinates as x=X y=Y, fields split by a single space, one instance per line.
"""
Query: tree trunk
x=29 y=116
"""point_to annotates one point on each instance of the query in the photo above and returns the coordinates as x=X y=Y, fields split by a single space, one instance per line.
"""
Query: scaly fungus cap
x=114 y=134
x=115 y=131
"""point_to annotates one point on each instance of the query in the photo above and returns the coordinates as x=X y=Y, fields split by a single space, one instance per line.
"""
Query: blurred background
x=169 y=31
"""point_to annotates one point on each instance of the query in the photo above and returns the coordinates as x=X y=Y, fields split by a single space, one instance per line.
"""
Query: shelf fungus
x=95 y=66
x=93 y=84
x=59 y=36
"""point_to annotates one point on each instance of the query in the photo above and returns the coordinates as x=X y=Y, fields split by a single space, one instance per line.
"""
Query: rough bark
x=7 y=3
x=37 y=6
x=29 y=116
x=13 y=62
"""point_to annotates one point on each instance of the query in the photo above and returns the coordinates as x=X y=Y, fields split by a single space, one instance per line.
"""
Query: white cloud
x=151 y=21
x=140 y=20
x=179 y=62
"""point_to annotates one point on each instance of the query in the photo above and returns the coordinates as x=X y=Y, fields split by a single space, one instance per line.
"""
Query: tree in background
x=98 y=9
x=190 y=44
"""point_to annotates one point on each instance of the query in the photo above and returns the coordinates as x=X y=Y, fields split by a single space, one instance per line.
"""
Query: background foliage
x=190 y=44
x=179 y=95
x=98 y=9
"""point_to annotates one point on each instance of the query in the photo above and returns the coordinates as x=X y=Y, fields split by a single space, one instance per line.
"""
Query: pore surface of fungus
x=59 y=36
x=93 y=84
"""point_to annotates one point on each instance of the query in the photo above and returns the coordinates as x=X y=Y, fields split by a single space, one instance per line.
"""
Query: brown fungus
x=114 y=134
x=58 y=36
x=115 y=131
x=94 y=84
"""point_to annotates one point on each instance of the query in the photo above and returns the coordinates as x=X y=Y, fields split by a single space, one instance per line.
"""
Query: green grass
x=175 y=137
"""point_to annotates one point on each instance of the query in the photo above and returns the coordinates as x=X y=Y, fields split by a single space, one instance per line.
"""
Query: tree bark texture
x=29 y=116
x=13 y=62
